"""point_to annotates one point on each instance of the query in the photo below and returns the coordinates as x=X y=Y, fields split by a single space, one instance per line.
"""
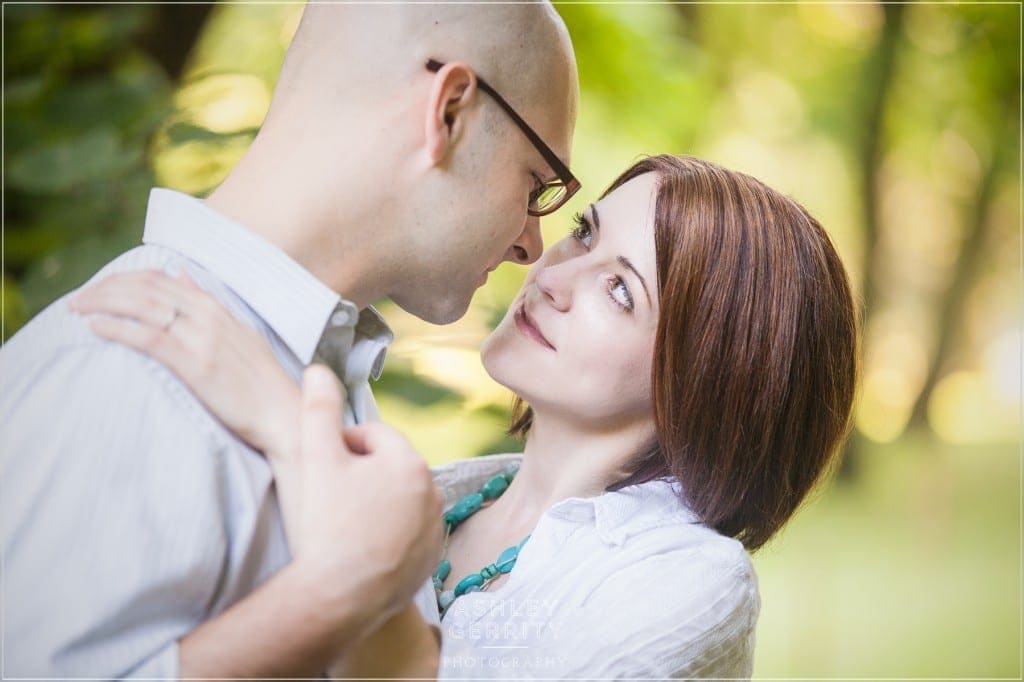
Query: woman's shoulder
x=659 y=551
x=460 y=477
x=642 y=535
x=657 y=508
x=678 y=595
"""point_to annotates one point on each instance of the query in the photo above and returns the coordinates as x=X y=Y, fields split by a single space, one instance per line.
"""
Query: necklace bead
x=494 y=487
x=463 y=509
x=471 y=580
x=460 y=511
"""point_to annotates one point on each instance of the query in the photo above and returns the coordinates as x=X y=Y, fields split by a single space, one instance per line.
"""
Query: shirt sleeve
x=114 y=536
x=671 y=615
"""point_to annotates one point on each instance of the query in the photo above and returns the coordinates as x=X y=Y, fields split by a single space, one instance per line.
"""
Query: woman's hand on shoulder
x=227 y=364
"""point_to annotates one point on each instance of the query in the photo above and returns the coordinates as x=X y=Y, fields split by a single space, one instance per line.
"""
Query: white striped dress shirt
x=627 y=584
x=129 y=513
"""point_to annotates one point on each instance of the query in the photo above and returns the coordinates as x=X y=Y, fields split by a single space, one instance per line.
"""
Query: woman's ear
x=451 y=95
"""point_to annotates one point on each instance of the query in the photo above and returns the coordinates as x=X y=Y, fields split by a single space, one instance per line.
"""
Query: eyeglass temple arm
x=556 y=164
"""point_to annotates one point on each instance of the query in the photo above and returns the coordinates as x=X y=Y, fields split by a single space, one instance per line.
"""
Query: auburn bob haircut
x=755 y=359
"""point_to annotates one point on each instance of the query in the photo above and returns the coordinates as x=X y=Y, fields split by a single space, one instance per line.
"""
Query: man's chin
x=444 y=310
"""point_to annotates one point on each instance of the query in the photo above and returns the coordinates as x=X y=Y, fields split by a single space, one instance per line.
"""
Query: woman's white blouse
x=625 y=584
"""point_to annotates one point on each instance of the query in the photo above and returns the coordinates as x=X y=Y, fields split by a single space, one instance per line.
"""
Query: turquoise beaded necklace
x=462 y=510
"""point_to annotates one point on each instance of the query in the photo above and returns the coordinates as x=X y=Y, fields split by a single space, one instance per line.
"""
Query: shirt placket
x=333 y=350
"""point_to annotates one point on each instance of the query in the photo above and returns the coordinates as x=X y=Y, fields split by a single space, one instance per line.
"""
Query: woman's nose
x=555 y=284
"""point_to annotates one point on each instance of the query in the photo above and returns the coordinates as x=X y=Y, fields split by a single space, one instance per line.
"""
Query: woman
x=686 y=364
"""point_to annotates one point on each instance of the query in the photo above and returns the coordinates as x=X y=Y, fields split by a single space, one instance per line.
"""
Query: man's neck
x=283 y=208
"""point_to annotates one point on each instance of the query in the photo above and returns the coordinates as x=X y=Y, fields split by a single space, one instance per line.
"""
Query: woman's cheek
x=614 y=359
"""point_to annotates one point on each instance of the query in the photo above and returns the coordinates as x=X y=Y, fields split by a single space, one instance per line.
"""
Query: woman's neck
x=561 y=461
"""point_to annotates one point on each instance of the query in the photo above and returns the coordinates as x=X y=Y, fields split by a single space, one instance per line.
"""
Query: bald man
x=408 y=151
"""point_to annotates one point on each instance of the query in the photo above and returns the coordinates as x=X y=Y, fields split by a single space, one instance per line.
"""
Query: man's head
x=421 y=172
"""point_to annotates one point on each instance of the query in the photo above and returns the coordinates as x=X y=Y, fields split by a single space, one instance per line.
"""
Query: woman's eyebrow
x=622 y=259
x=625 y=261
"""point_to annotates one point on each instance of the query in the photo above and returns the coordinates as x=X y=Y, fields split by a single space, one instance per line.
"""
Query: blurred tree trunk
x=953 y=303
x=174 y=33
x=690 y=16
x=878 y=76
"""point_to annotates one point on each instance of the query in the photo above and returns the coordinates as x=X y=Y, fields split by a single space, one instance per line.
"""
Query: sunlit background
x=897 y=125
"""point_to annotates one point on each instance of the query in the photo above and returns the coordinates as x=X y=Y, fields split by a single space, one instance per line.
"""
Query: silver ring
x=175 y=314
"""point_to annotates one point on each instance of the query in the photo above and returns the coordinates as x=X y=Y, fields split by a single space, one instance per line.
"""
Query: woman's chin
x=501 y=361
x=495 y=368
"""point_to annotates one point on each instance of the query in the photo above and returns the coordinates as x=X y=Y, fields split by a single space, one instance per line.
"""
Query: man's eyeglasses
x=547 y=197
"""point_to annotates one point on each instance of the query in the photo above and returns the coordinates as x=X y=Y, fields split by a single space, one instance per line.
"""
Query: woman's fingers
x=157 y=315
x=154 y=283
x=149 y=340
x=142 y=325
x=227 y=364
x=187 y=280
x=172 y=306
x=149 y=296
x=147 y=305
x=183 y=284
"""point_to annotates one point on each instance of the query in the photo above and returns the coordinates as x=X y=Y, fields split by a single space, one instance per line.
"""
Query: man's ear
x=451 y=94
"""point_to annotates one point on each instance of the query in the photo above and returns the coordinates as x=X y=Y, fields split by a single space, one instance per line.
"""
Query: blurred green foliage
x=81 y=103
x=897 y=125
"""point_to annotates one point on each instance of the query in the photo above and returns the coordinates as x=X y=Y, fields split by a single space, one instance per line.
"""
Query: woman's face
x=578 y=339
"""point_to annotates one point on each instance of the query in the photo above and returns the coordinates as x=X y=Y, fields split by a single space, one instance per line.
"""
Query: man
x=408 y=151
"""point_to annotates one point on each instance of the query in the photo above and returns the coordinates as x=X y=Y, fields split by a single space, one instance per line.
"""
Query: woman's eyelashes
x=618 y=291
x=581 y=230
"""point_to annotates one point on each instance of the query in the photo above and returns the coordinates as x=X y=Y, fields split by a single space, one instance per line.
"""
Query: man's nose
x=528 y=247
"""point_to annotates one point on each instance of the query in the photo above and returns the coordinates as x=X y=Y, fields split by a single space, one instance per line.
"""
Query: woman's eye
x=619 y=293
x=581 y=231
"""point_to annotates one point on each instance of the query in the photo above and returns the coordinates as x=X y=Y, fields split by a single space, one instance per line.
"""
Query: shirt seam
x=161 y=376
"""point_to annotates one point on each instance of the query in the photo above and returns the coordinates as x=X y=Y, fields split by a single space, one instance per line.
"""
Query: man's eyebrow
x=622 y=259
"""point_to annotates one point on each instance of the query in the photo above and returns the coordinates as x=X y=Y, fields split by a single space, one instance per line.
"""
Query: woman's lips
x=527 y=328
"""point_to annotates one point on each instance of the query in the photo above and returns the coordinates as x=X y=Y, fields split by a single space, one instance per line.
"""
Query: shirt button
x=340 y=318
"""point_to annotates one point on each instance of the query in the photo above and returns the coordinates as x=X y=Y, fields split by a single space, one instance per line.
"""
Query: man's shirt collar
x=294 y=303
